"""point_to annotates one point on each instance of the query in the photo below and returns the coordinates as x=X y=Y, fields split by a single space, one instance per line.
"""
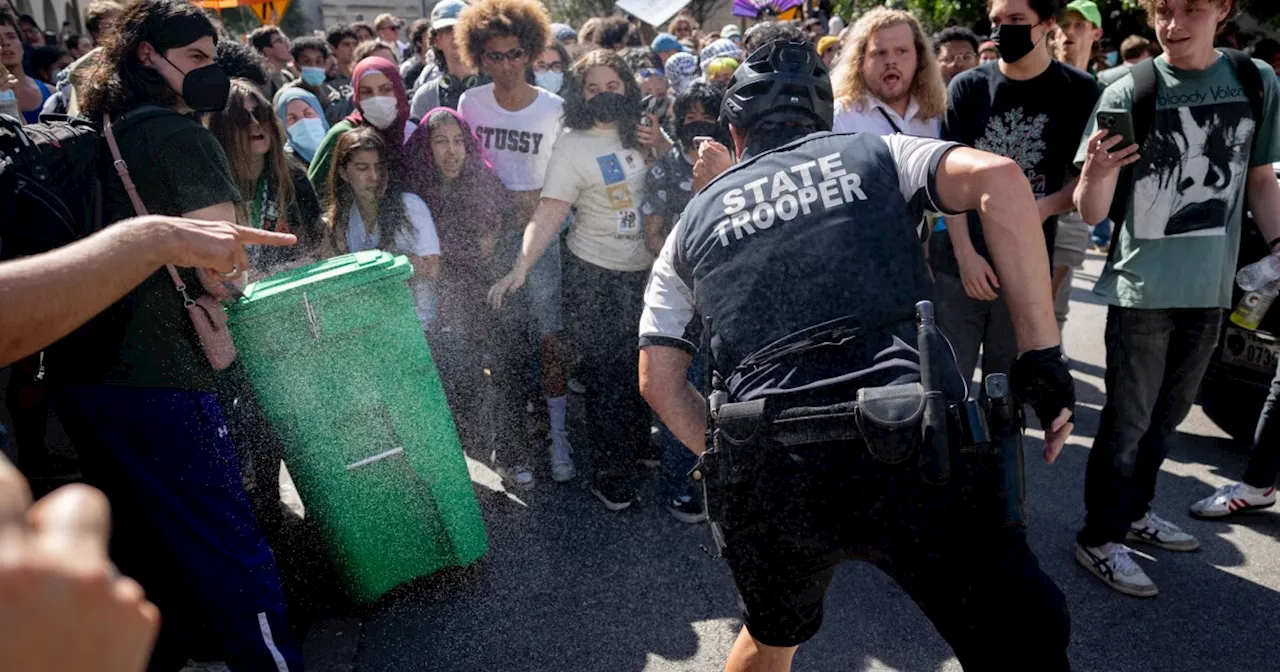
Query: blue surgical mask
x=1113 y=58
x=305 y=136
x=551 y=81
x=312 y=75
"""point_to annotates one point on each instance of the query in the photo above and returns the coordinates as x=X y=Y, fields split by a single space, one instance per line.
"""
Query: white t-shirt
x=419 y=239
x=517 y=144
x=875 y=118
x=592 y=171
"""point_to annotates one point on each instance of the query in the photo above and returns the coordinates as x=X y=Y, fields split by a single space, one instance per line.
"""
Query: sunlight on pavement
x=485 y=477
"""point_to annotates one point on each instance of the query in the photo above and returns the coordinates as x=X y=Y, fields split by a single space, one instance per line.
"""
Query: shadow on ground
x=1197 y=622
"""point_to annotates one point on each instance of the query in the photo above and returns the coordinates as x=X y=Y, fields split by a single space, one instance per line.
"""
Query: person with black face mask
x=134 y=387
x=667 y=190
x=599 y=168
x=1028 y=108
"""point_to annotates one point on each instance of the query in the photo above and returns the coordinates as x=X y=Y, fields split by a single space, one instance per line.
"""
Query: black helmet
x=777 y=81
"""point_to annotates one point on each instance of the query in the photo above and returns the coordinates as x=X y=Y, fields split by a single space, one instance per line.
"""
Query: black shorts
x=810 y=509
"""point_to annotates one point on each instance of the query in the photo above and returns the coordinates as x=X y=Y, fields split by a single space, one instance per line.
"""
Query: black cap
x=780 y=82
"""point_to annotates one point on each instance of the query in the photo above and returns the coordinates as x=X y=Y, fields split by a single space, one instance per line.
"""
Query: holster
x=889 y=421
x=1008 y=421
x=734 y=453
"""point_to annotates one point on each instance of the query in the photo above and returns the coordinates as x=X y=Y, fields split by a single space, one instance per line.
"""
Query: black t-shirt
x=668 y=188
x=1036 y=122
x=146 y=338
x=782 y=247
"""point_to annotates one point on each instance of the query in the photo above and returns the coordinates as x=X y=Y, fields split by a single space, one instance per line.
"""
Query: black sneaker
x=616 y=493
x=687 y=509
x=650 y=453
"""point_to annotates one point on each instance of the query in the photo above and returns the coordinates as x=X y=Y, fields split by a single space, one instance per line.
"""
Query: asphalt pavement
x=569 y=586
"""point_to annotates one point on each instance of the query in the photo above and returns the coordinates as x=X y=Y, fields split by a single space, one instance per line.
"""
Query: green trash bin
x=342 y=370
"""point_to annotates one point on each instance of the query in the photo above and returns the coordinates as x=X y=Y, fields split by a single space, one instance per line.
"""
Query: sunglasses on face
x=646 y=73
x=261 y=114
x=500 y=56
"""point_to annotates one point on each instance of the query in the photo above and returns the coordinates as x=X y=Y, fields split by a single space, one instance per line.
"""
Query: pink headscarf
x=393 y=134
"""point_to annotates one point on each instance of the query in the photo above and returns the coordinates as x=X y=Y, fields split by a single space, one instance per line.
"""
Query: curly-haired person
x=599 y=167
x=516 y=124
x=133 y=385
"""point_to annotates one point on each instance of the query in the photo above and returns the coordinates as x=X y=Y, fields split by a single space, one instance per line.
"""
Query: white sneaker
x=1111 y=563
x=1234 y=498
x=519 y=476
x=1156 y=531
x=562 y=468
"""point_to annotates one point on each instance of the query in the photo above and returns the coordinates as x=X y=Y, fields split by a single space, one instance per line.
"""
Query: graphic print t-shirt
x=1036 y=122
x=591 y=170
x=1181 y=236
x=668 y=188
x=517 y=144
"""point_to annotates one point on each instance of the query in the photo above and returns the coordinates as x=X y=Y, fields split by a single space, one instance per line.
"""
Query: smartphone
x=655 y=105
x=1118 y=122
x=700 y=140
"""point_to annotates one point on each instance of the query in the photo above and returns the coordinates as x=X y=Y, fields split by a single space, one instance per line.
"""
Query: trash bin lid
x=323 y=278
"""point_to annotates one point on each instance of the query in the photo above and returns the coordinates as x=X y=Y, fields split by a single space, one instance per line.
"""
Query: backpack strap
x=122 y=169
x=1251 y=81
x=1143 y=111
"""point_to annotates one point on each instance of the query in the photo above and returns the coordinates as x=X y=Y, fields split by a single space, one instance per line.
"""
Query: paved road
x=569 y=586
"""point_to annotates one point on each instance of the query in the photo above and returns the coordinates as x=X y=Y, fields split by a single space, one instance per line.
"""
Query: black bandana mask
x=686 y=133
x=607 y=107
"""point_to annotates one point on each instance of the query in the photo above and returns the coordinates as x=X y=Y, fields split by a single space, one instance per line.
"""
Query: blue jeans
x=167 y=463
x=1101 y=233
x=1156 y=359
x=677 y=459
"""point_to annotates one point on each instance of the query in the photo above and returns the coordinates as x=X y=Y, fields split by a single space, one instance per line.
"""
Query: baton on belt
x=935 y=455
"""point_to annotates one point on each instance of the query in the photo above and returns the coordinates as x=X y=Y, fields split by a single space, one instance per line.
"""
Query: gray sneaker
x=1111 y=563
x=1156 y=531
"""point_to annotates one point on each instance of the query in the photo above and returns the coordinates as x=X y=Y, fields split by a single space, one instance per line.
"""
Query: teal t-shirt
x=1178 y=245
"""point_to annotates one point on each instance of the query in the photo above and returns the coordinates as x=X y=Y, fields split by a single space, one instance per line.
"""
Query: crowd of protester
x=530 y=172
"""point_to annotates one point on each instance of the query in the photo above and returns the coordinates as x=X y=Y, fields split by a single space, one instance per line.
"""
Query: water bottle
x=9 y=98
x=1259 y=274
x=9 y=105
x=1254 y=306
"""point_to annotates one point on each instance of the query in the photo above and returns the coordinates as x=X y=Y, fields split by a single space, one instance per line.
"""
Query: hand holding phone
x=1118 y=122
x=1113 y=146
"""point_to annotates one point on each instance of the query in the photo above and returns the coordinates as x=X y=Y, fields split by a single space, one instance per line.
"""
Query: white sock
x=556 y=413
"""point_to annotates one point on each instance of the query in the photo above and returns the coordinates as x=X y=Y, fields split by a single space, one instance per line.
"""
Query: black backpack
x=1144 y=111
x=51 y=180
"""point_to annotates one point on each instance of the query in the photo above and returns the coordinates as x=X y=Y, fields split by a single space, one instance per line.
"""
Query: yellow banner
x=267 y=11
x=270 y=12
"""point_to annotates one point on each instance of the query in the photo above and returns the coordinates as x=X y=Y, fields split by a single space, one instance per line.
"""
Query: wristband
x=1271 y=246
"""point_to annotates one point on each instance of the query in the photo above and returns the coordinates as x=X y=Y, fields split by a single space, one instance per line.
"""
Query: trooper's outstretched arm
x=996 y=188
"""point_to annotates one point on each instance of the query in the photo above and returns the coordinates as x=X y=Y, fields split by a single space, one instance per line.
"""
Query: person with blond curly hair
x=887 y=80
x=516 y=124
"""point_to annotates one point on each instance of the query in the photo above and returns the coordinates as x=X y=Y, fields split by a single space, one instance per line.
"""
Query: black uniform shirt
x=821 y=231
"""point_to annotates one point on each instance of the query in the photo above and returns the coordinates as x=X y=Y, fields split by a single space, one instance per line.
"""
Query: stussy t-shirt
x=1178 y=245
x=517 y=144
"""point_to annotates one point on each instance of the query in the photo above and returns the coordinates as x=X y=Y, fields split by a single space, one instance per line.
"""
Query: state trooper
x=841 y=428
